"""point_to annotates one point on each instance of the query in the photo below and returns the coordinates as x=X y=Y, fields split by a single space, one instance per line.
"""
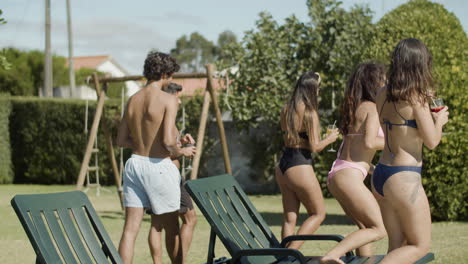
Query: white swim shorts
x=151 y=183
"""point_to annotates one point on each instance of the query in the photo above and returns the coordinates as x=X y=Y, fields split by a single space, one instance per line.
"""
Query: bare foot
x=330 y=260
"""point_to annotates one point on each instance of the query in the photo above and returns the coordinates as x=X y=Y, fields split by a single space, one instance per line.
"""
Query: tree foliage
x=26 y=75
x=193 y=52
x=3 y=61
x=273 y=55
x=445 y=175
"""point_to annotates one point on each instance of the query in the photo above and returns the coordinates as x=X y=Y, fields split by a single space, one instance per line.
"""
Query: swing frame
x=209 y=95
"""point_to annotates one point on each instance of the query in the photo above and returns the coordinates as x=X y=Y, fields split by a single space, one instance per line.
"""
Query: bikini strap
x=338 y=154
x=394 y=107
x=381 y=108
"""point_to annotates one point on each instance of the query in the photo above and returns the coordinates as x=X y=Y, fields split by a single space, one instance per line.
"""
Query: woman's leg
x=290 y=206
x=406 y=196
x=302 y=181
x=359 y=203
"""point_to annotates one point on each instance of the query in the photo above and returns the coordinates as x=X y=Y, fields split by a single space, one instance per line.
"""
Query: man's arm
x=124 y=138
x=169 y=129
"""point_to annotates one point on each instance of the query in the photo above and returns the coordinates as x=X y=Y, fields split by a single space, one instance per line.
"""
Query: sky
x=127 y=30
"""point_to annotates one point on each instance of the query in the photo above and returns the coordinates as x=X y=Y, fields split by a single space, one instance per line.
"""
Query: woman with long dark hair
x=295 y=174
x=408 y=124
x=362 y=136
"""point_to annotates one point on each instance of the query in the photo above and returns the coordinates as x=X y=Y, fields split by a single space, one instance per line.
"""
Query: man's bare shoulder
x=167 y=99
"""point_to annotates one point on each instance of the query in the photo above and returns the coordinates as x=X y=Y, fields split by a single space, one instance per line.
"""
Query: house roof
x=91 y=62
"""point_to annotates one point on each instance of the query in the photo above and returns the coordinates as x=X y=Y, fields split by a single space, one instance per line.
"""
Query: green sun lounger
x=244 y=233
x=64 y=228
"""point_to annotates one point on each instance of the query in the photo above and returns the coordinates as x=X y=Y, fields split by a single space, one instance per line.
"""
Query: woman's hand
x=333 y=135
x=441 y=117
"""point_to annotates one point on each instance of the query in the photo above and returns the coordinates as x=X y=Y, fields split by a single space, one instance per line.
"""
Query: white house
x=100 y=63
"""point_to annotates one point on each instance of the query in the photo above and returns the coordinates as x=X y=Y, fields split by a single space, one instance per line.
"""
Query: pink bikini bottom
x=340 y=164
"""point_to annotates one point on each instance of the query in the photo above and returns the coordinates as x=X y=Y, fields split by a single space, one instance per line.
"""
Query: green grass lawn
x=450 y=239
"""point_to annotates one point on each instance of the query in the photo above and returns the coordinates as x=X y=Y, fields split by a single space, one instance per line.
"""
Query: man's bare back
x=149 y=120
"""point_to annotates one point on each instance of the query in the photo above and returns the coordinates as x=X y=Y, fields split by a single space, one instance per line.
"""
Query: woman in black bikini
x=408 y=124
x=295 y=174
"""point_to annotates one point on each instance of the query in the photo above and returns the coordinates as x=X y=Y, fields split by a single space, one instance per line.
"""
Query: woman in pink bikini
x=362 y=136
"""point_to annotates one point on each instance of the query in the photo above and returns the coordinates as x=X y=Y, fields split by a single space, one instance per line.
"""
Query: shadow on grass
x=272 y=219
x=113 y=215
x=276 y=219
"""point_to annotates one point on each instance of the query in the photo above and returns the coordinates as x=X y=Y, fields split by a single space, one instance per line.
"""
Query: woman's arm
x=317 y=145
x=430 y=124
x=372 y=125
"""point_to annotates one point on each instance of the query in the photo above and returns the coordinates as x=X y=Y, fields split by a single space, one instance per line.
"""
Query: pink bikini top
x=380 y=134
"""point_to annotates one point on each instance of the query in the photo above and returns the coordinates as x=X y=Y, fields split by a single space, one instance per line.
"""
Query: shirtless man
x=151 y=180
x=186 y=212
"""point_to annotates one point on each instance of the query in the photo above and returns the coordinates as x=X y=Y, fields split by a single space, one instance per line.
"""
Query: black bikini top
x=304 y=135
x=389 y=125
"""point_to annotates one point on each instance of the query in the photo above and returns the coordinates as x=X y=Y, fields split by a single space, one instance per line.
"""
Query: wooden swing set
x=100 y=84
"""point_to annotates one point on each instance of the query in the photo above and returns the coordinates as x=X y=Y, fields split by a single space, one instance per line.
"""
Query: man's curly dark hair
x=158 y=64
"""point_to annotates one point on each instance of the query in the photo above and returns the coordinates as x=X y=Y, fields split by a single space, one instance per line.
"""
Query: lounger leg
x=211 y=248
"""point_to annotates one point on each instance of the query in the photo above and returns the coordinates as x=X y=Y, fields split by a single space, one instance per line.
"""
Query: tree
x=272 y=56
x=3 y=62
x=25 y=75
x=445 y=176
x=225 y=40
x=193 y=52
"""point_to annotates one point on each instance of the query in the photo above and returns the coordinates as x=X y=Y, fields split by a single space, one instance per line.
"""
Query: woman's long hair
x=305 y=92
x=410 y=75
x=362 y=86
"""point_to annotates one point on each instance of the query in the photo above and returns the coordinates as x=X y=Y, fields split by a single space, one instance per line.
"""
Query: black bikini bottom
x=294 y=157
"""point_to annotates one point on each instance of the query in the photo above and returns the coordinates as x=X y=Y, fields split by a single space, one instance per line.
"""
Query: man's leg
x=189 y=220
x=154 y=240
x=133 y=217
x=170 y=223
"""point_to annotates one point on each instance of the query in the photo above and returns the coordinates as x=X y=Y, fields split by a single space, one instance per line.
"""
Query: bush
x=48 y=140
x=6 y=174
x=445 y=176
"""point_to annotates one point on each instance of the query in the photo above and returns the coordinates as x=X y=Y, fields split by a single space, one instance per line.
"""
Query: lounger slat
x=246 y=232
x=59 y=237
x=247 y=218
x=88 y=235
x=230 y=225
x=44 y=236
x=105 y=240
x=73 y=235
x=208 y=207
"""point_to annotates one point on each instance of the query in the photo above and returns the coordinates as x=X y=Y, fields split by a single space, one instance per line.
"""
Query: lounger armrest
x=336 y=238
x=269 y=252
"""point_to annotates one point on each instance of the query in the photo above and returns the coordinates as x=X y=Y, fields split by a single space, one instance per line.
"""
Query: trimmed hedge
x=6 y=173
x=445 y=174
x=48 y=139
